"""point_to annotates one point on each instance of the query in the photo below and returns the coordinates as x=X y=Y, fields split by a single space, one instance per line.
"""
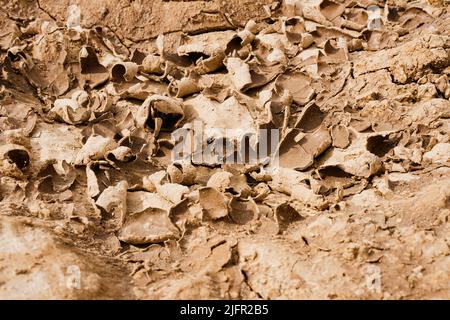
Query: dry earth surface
x=93 y=207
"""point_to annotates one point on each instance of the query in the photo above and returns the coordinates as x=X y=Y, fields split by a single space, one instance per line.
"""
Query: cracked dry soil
x=93 y=207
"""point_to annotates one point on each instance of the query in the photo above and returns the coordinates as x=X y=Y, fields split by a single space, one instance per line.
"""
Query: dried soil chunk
x=150 y=226
x=340 y=136
x=213 y=203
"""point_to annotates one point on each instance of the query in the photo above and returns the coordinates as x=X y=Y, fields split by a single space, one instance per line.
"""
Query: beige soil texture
x=95 y=94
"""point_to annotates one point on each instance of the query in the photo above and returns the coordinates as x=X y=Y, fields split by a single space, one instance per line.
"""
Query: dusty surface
x=93 y=207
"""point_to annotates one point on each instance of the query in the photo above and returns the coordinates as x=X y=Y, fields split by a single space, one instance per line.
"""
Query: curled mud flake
x=153 y=64
x=226 y=181
x=175 y=173
x=30 y=124
x=92 y=72
x=295 y=32
x=242 y=211
x=100 y=103
x=93 y=188
x=216 y=117
x=311 y=10
x=105 y=128
x=299 y=86
x=56 y=177
x=140 y=201
x=245 y=36
x=220 y=180
x=285 y=178
x=150 y=226
x=186 y=214
x=121 y=153
x=95 y=148
x=168 y=109
x=142 y=89
x=315 y=143
x=360 y=124
x=279 y=111
x=11 y=190
x=335 y=50
x=114 y=201
x=331 y=9
x=188 y=174
x=172 y=191
x=379 y=40
x=204 y=66
x=239 y=72
x=356 y=188
x=414 y=17
x=306 y=196
x=239 y=185
x=124 y=72
x=334 y=177
x=284 y=216
x=291 y=8
x=184 y=87
x=292 y=154
x=348 y=38
x=15 y=154
x=69 y=111
x=340 y=136
x=310 y=118
x=207 y=44
x=213 y=203
x=206 y=54
x=260 y=191
x=355 y=159
x=443 y=86
x=355 y=18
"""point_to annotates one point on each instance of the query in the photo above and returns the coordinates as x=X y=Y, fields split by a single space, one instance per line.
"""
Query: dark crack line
x=250 y=287
x=45 y=11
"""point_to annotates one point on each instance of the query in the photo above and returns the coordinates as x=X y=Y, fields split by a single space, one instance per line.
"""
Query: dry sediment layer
x=92 y=206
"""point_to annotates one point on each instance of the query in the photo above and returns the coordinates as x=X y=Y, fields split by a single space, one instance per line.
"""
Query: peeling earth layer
x=92 y=207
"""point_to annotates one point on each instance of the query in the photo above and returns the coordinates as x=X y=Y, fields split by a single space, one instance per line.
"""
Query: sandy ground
x=93 y=94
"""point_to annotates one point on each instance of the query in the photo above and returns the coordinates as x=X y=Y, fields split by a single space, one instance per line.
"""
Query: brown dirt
x=92 y=207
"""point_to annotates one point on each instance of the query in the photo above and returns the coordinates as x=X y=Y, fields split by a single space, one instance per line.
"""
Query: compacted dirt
x=351 y=202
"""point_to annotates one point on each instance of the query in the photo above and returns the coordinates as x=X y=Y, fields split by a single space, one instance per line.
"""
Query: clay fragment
x=213 y=203
x=124 y=72
x=114 y=200
x=140 y=201
x=150 y=226
x=95 y=148
x=155 y=107
x=296 y=157
x=242 y=212
x=285 y=215
x=72 y=111
x=340 y=136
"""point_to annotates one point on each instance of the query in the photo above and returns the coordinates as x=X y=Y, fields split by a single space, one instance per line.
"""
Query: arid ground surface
x=93 y=205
